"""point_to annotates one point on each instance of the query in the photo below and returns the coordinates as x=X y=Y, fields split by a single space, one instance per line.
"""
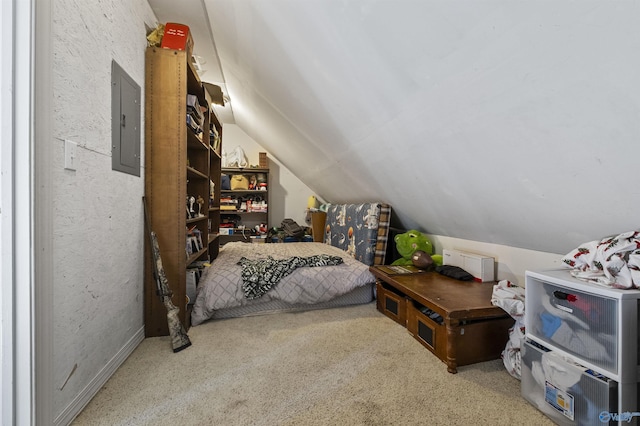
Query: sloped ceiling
x=514 y=123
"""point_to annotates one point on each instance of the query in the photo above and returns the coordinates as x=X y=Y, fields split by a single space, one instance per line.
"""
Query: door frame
x=25 y=223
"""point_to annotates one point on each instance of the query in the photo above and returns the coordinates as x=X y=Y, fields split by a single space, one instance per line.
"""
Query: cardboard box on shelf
x=226 y=231
x=263 y=161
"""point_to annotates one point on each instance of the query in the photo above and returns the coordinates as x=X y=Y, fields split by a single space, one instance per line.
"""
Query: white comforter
x=221 y=284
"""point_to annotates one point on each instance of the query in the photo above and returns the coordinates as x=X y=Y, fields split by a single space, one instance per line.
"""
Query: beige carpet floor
x=344 y=366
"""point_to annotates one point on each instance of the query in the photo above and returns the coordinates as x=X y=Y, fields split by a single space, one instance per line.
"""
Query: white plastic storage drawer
x=566 y=392
x=575 y=321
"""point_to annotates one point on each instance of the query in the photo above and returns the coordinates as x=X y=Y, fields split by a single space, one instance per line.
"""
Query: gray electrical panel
x=125 y=122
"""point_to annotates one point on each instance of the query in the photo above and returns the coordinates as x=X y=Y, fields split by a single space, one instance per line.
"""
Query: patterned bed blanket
x=259 y=276
x=221 y=284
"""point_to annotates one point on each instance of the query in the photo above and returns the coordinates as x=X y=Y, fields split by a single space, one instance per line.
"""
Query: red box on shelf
x=178 y=37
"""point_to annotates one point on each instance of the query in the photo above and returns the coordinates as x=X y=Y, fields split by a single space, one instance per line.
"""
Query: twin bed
x=299 y=276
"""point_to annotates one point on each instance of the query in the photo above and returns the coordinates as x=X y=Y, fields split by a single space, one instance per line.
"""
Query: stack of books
x=228 y=203
x=194 y=114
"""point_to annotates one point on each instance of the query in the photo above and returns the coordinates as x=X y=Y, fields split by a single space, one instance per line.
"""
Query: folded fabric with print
x=612 y=261
x=510 y=298
x=259 y=276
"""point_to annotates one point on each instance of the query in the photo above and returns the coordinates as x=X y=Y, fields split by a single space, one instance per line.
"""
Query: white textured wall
x=288 y=195
x=508 y=122
x=98 y=218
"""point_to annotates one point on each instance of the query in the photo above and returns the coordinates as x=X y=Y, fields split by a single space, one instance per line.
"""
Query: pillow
x=359 y=229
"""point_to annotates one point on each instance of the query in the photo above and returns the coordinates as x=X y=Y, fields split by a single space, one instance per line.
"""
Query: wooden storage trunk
x=455 y=320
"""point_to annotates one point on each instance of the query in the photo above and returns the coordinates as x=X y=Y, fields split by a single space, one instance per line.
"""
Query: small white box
x=481 y=267
x=226 y=231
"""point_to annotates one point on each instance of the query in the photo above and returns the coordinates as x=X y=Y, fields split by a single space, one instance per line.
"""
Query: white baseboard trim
x=82 y=399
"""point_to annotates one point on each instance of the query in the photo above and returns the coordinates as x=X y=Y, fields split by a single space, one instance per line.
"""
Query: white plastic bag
x=237 y=158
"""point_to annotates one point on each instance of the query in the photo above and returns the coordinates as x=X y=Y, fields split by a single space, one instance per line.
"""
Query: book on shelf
x=193 y=125
x=196 y=118
x=194 y=108
x=194 y=240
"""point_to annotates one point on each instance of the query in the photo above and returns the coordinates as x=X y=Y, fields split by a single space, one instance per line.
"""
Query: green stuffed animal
x=411 y=241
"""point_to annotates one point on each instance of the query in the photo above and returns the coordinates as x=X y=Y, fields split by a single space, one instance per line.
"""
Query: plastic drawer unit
x=595 y=324
x=595 y=330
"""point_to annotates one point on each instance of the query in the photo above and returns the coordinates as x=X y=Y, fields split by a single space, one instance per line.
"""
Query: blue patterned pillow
x=359 y=229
